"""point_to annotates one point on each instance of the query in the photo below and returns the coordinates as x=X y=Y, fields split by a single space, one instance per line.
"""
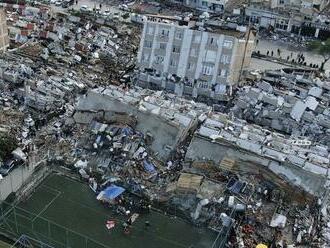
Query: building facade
x=213 y=6
x=188 y=61
x=4 y=40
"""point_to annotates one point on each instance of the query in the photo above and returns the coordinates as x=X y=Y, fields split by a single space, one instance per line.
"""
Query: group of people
x=300 y=58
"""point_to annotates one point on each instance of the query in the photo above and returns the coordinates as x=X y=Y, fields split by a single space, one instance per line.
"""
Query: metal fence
x=14 y=180
x=25 y=241
x=15 y=222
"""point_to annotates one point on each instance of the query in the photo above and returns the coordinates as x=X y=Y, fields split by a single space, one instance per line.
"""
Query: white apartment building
x=4 y=40
x=188 y=60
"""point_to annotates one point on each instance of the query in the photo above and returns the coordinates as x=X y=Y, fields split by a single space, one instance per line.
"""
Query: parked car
x=124 y=7
x=84 y=8
x=65 y=5
x=115 y=15
x=8 y=166
x=58 y=3
x=98 y=10
x=106 y=13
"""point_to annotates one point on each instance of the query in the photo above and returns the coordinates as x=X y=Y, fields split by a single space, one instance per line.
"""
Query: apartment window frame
x=203 y=85
x=147 y=44
x=176 y=49
x=159 y=60
x=212 y=41
x=205 y=4
x=150 y=30
x=222 y=73
x=190 y=66
x=197 y=38
x=225 y=59
x=207 y=69
x=173 y=62
x=193 y=52
x=162 y=46
x=228 y=44
x=145 y=57
x=178 y=35
x=164 y=32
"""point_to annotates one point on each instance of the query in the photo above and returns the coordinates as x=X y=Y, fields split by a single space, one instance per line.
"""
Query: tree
x=7 y=145
x=322 y=48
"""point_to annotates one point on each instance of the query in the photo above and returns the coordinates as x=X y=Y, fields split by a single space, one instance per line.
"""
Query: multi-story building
x=193 y=58
x=4 y=40
x=213 y=6
x=300 y=17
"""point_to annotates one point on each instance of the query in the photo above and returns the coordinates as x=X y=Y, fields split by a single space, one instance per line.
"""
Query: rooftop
x=212 y=26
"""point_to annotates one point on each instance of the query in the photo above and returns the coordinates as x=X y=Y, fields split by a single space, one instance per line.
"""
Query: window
x=190 y=66
x=162 y=46
x=225 y=59
x=204 y=3
x=145 y=57
x=164 y=32
x=220 y=89
x=173 y=62
x=281 y=1
x=159 y=59
x=150 y=30
x=193 y=52
x=228 y=44
x=210 y=56
x=178 y=35
x=212 y=41
x=207 y=70
x=147 y=44
x=203 y=85
x=176 y=49
x=222 y=72
x=197 y=38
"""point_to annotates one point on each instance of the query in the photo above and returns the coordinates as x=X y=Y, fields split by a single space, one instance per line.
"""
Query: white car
x=106 y=13
x=52 y=1
x=83 y=8
x=58 y=3
x=124 y=7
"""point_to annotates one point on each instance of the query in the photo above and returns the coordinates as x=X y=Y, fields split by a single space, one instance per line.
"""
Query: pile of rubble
x=293 y=104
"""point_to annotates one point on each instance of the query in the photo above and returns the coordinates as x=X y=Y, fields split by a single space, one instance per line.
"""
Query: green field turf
x=71 y=204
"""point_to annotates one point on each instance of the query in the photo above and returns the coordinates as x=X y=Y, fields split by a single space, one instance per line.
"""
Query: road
x=286 y=50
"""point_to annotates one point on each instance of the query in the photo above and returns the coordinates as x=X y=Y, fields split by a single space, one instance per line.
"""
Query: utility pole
x=244 y=54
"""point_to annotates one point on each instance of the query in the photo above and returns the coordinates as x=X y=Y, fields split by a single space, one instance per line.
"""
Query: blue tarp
x=111 y=193
x=127 y=131
x=149 y=167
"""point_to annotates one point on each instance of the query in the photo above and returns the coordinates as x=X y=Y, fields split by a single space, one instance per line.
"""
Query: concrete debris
x=255 y=169
x=295 y=105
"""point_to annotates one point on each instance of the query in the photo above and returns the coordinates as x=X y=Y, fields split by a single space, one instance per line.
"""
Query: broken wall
x=165 y=135
x=202 y=149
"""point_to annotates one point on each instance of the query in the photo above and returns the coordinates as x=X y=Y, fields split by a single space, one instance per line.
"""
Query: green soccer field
x=65 y=213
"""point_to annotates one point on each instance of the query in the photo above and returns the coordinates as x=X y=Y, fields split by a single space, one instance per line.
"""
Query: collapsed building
x=231 y=178
x=165 y=121
x=197 y=59
x=224 y=136
x=294 y=104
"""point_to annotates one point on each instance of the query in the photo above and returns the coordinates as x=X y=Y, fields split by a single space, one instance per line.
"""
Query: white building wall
x=205 y=54
x=185 y=50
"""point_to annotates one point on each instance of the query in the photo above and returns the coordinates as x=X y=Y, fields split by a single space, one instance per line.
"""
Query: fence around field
x=14 y=180
x=16 y=222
